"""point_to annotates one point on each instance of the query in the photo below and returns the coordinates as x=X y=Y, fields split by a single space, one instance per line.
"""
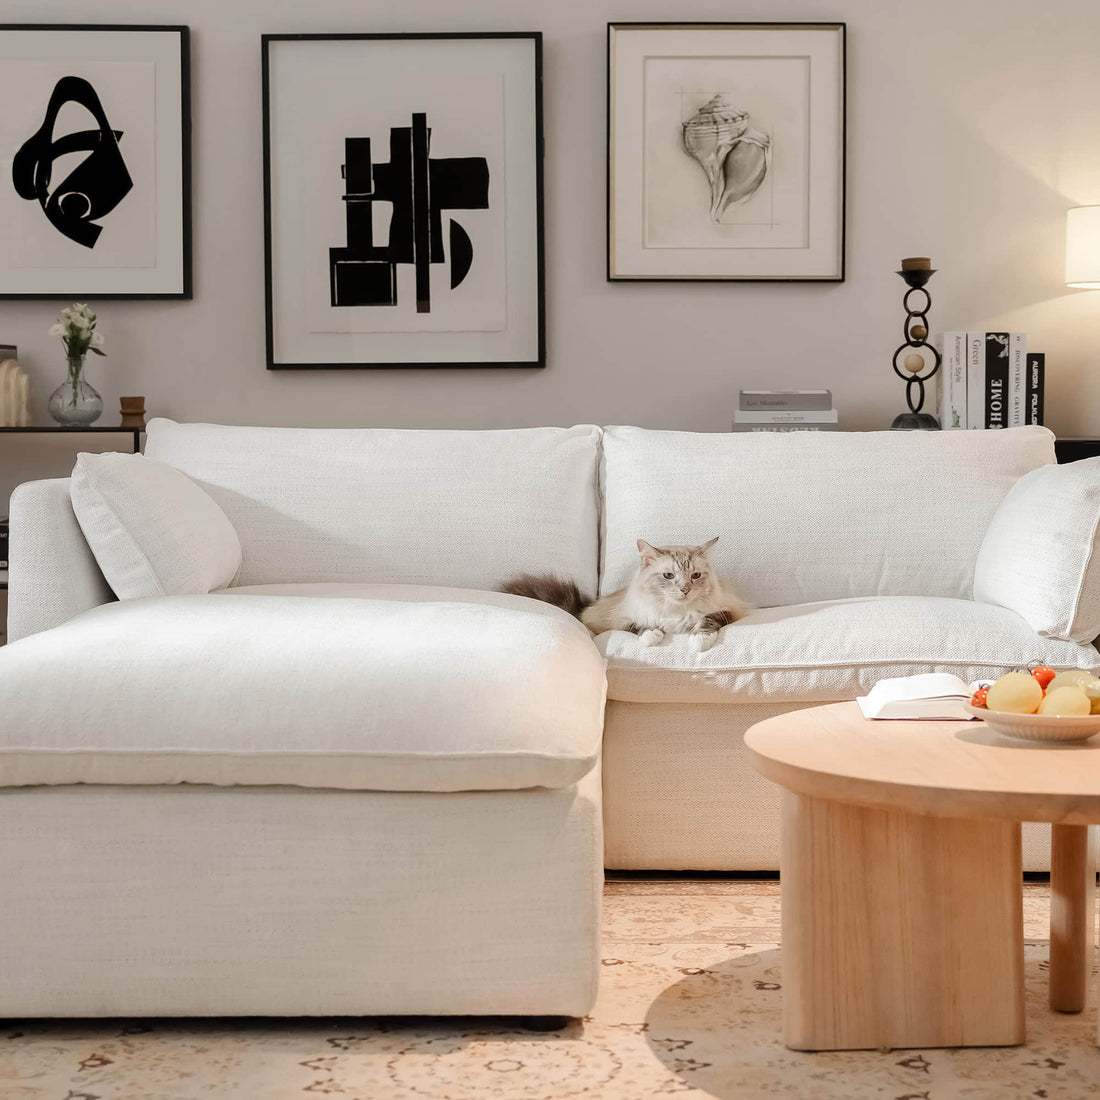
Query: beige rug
x=689 y=1006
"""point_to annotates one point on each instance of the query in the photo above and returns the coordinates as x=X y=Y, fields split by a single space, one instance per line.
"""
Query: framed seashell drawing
x=725 y=151
x=403 y=200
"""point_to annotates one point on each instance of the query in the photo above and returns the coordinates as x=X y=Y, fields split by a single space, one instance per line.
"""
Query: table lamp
x=1083 y=247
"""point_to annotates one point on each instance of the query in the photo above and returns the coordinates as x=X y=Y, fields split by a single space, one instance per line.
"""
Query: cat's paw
x=651 y=637
x=702 y=642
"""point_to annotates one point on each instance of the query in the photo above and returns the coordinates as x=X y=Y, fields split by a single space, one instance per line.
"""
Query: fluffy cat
x=674 y=591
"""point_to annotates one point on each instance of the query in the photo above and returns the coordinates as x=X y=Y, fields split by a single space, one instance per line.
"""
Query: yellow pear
x=1015 y=693
x=1075 y=677
x=1065 y=702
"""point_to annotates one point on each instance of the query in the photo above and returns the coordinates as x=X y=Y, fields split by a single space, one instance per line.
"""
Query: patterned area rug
x=690 y=1004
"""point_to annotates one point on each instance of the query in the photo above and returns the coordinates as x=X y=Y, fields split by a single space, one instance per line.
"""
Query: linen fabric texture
x=455 y=508
x=388 y=688
x=52 y=574
x=283 y=901
x=832 y=650
x=1039 y=556
x=680 y=791
x=152 y=530
x=808 y=516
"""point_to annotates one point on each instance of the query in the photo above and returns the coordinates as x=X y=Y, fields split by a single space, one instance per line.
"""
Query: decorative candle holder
x=916 y=271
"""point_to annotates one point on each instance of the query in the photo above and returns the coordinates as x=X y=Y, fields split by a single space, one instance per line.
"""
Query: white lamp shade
x=1083 y=247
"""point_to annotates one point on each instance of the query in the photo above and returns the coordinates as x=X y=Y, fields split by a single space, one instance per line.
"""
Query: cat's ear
x=649 y=553
x=707 y=545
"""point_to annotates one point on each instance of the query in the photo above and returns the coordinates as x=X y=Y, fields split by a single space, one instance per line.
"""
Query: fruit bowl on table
x=1039 y=727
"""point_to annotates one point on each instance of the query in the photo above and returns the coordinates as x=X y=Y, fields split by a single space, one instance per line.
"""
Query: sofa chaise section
x=311 y=797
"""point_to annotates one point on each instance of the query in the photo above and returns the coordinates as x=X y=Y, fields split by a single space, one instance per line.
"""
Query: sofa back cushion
x=460 y=508
x=805 y=516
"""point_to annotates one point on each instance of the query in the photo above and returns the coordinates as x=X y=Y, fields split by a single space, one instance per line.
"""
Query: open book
x=929 y=695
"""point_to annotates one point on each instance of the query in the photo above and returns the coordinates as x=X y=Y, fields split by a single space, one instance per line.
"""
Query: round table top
x=944 y=768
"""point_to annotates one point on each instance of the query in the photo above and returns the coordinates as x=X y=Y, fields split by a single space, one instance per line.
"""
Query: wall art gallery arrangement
x=725 y=151
x=96 y=201
x=403 y=176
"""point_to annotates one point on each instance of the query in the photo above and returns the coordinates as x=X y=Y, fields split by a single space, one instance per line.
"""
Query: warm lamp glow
x=1083 y=247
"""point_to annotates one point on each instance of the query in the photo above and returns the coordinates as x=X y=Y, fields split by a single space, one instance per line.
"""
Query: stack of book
x=989 y=380
x=785 y=411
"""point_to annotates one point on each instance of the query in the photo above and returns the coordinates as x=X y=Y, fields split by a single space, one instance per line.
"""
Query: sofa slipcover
x=291 y=901
x=381 y=687
x=856 y=547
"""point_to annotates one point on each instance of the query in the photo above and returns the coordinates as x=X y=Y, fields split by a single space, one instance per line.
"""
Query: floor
x=689 y=1006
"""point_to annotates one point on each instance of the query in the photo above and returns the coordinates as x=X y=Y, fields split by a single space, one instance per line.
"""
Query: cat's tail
x=549 y=589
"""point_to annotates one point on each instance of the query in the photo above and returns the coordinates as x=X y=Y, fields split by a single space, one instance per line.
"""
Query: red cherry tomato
x=978 y=699
x=1043 y=674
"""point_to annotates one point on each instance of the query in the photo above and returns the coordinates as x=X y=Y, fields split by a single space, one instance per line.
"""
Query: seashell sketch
x=734 y=156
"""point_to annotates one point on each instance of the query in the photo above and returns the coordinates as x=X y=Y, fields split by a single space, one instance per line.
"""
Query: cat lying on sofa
x=674 y=590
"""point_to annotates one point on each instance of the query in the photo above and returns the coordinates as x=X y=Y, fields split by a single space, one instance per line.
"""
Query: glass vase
x=74 y=403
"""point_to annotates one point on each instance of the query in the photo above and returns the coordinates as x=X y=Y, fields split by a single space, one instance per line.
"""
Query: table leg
x=1072 y=911
x=899 y=930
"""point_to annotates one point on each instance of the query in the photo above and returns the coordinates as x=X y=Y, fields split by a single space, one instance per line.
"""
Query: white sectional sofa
x=356 y=780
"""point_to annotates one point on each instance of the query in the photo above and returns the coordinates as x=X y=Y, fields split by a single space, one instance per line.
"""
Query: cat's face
x=677 y=574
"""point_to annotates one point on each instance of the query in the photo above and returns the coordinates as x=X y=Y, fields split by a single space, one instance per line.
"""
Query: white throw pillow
x=1037 y=558
x=152 y=530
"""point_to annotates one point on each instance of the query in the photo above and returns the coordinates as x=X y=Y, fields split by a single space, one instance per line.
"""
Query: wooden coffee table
x=902 y=880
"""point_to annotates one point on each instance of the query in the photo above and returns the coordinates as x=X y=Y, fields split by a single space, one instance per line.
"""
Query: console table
x=1070 y=450
x=99 y=429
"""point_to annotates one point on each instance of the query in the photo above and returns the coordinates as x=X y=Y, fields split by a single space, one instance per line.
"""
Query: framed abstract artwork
x=725 y=151
x=403 y=200
x=95 y=161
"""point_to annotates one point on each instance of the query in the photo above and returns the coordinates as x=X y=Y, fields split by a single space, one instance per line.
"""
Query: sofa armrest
x=52 y=574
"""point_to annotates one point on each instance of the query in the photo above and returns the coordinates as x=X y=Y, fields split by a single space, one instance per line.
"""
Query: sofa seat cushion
x=399 y=688
x=836 y=649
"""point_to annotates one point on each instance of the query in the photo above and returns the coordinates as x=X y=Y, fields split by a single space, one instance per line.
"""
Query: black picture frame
x=747 y=216
x=138 y=216
x=356 y=259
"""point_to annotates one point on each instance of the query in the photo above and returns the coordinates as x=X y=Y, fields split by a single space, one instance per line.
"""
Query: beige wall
x=971 y=128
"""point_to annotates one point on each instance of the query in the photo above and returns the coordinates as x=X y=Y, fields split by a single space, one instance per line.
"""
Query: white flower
x=75 y=328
